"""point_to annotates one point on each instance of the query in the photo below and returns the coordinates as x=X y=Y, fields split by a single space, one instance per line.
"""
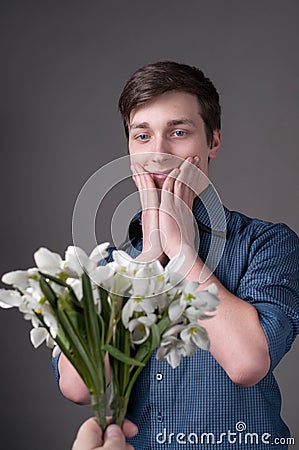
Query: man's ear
x=215 y=144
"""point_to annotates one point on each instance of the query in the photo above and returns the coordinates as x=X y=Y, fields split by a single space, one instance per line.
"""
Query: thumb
x=114 y=438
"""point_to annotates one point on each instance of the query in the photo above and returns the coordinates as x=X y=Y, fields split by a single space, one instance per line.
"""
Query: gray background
x=63 y=65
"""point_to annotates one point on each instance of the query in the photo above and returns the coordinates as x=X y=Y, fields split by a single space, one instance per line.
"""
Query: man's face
x=165 y=131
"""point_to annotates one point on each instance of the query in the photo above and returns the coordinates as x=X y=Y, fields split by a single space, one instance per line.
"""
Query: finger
x=129 y=428
x=147 y=188
x=191 y=176
x=89 y=435
x=114 y=439
x=170 y=180
x=142 y=176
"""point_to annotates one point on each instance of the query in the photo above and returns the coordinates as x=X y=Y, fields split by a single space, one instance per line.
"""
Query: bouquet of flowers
x=126 y=309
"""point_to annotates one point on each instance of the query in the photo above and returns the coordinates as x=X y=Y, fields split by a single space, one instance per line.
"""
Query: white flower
x=118 y=285
x=193 y=303
x=123 y=260
x=96 y=297
x=181 y=340
x=99 y=252
x=171 y=349
x=10 y=298
x=207 y=299
x=173 y=330
x=56 y=351
x=39 y=335
x=48 y=262
x=195 y=334
x=102 y=274
x=77 y=261
x=137 y=304
x=49 y=319
x=140 y=328
x=19 y=278
x=176 y=309
x=76 y=285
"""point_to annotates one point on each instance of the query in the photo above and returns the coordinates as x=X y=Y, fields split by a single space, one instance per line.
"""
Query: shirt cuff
x=55 y=366
x=278 y=330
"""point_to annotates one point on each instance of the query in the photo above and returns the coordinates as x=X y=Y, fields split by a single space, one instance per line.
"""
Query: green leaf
x=64 y=284
x=163 y=324
x=48 y=292
x=106 y=310
x=91 y=318
x=156 y=336
x=92 y=326
x=82 y=351
x=117 y=354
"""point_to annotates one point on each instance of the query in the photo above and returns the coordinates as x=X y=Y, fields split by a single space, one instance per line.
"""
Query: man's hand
x=90 y=436
x=176 y=220
x=152 y=247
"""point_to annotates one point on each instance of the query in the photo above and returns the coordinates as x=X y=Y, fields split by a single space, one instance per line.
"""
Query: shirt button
x=160 y=417
x=159 y=376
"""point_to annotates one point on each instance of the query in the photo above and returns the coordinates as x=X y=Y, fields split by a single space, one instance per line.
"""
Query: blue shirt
x=196 y=405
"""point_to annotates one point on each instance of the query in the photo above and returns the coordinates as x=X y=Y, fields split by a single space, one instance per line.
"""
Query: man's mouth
x=159 y=175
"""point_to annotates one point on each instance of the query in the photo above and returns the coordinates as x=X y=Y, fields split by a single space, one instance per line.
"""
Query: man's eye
x=179 y=133
x=142 y=137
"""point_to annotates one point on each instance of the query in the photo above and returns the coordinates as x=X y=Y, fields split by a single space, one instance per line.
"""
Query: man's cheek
x=139 y=158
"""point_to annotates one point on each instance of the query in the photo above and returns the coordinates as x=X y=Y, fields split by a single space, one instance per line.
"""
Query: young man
x=171 y=115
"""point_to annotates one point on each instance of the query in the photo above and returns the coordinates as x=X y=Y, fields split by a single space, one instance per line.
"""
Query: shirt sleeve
x=271 y=285
x=55 y=360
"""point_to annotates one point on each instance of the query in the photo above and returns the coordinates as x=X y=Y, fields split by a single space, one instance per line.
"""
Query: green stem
x=118 y=407
x=98 y=403
x=137 y=370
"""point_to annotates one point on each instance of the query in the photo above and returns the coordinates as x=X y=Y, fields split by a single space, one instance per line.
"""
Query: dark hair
x=155 y=79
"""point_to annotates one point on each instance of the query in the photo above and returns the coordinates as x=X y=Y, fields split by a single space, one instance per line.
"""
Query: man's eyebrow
x=170 y=123
x=183 y=121
x=133 y=125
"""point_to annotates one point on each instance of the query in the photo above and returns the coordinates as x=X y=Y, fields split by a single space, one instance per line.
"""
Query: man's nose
x=160 y=150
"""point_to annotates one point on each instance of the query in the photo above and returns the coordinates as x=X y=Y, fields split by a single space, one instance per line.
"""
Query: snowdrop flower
x=101 y=274
x=56 y=350
x=19 y=278
x=145 y=278
x=48 y=262
x=10 y=298
x=76 y=285
x=205 y=300
x=77 y=261
x=39 y=335
x=99 y=252
x=49 y=318
x=137 y=304
x=195 y=334
x=194 y=303
x=124 y=261
x=118 y=285
x=140 y=328
x=171 y=349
